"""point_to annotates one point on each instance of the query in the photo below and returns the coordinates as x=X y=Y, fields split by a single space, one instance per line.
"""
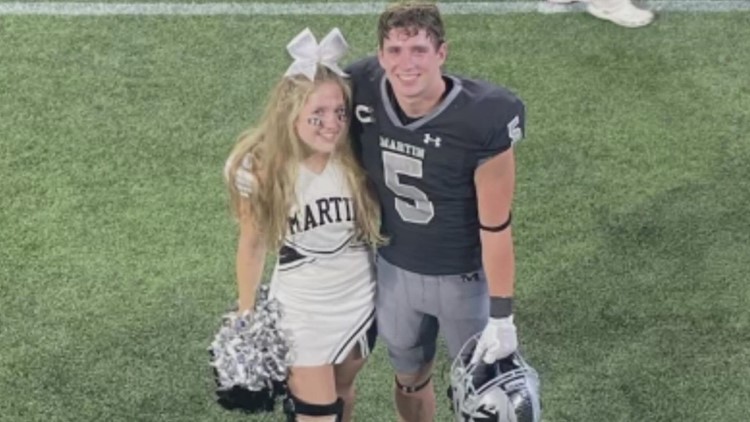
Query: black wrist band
x=501 y=307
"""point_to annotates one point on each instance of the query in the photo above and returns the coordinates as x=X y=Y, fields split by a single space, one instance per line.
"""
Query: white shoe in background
x=620 y=12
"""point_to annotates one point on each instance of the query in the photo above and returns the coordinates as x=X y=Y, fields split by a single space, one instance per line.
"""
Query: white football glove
x=498 y=340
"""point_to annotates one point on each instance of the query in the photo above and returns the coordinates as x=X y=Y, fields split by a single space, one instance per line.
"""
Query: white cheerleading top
x=321 y=224
x=320 y=250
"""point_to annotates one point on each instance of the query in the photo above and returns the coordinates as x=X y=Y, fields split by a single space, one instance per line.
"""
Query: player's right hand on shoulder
x=243 y=177
x=243 y=181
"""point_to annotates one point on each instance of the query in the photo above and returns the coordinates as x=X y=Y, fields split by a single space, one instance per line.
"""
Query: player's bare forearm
x=251 y=257
x=498 y=261
x=495 y=183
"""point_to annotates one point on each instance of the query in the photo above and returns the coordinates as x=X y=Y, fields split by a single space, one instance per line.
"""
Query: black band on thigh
x=499 y=228
x=412 y=389
x=294 y=406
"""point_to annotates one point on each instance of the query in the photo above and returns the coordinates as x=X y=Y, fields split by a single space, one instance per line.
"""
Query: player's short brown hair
x=412 y=17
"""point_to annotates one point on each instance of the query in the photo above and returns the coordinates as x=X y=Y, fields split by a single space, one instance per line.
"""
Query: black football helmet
x=504 y=391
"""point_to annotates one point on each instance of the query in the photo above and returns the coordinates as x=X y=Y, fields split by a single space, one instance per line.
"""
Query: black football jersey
x=423 y=170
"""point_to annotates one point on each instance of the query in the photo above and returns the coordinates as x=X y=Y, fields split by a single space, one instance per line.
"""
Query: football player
x=438 y=149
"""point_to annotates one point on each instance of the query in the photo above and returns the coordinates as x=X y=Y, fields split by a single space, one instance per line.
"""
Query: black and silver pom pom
x=250 y=356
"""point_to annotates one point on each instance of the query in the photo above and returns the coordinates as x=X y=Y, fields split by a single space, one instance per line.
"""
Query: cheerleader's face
x=321 y=124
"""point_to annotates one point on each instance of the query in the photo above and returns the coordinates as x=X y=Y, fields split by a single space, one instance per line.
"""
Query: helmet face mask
x=504 y=391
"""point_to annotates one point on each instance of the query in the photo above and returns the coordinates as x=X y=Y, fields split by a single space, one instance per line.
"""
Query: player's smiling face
x=412 y=63
x=322 y=120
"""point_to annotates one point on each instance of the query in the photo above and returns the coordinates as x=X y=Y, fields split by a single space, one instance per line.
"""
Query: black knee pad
x=294 y=406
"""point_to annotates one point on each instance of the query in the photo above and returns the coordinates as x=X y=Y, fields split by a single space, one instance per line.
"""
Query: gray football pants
x=410 y=309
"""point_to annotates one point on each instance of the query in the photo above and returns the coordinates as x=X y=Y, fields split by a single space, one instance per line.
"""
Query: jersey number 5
x=411 y=203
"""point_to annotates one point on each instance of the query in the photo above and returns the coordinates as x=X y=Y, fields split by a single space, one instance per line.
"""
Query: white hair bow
x=307 y=53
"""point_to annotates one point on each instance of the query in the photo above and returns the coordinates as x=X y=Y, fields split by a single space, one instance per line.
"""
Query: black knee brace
x=412 y=388
x=294 y=406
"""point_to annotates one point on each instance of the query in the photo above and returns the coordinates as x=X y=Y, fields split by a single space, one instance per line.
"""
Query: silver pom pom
x=251 y=351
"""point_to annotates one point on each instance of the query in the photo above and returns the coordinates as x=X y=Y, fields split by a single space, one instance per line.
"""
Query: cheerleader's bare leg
x=312 y=395
x=345 y=374
x=324 y=393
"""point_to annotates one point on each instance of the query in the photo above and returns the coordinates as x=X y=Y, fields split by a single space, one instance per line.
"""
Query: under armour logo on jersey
x=435 y=140
x=364 y=113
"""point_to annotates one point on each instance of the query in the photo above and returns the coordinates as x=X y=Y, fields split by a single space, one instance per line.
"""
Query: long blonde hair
x=275 y=151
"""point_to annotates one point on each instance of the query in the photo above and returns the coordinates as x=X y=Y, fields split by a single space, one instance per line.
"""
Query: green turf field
x=632 y=212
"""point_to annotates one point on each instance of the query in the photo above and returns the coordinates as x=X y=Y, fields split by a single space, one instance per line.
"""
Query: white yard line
x=349 y=8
